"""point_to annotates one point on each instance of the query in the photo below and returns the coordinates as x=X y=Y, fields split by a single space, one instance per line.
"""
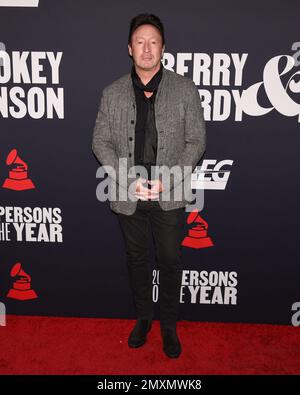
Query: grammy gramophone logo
x=21 y=288
x=197 y=235
x=18 y=173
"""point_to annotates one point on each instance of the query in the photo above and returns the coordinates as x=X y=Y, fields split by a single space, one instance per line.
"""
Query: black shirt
x=145 y=149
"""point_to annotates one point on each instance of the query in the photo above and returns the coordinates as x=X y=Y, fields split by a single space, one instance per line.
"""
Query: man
x=151 y=117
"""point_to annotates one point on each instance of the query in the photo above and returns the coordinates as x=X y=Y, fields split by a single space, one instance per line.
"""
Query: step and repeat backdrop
x=61 y=249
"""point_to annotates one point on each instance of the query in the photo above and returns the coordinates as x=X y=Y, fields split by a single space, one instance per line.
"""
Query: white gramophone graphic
x=197 y=237
x=18 y=176
x=21 y=289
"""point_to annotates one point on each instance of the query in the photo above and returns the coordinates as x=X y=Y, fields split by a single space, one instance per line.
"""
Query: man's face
x=146 y=47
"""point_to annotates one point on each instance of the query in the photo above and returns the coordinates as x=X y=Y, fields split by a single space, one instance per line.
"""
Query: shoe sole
x=172 y=355
x=136 y=345
x=139 y=344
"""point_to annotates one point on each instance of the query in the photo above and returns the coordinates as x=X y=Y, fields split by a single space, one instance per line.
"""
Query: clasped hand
x=144 y=193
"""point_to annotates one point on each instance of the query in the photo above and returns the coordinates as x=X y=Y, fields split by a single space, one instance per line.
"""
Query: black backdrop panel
x=59 y=56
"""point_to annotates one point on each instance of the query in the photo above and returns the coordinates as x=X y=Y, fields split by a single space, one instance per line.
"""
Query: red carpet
x=45 y=345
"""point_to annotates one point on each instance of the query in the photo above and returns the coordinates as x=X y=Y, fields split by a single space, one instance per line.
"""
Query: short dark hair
x=146 y=19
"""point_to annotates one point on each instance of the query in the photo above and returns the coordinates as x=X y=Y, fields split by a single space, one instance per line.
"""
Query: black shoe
x=138 y=336
x=171 y=343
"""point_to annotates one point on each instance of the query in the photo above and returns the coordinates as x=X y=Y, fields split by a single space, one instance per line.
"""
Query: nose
x=146 y=47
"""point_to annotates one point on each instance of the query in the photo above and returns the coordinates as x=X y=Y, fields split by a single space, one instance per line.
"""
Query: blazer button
x=132 y=121
x=130 y=138
x=130 y=154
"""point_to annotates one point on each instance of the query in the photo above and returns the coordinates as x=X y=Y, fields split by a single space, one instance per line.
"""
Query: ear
x=162 y=51
x=129 y=50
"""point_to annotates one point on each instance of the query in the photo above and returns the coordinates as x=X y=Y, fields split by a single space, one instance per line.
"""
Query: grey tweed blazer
x=181 y=135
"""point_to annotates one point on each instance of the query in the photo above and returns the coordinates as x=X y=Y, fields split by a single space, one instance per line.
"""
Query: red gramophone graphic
x=21 y=289
x=18 y=178
x=197 y=237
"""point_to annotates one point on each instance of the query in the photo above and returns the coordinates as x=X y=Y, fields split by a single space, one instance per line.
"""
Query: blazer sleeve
x=103 y=146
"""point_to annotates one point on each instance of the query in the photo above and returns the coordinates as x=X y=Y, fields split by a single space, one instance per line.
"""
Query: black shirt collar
x=152 y=84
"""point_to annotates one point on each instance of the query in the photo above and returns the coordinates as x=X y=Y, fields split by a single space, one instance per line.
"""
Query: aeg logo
x=211 y=174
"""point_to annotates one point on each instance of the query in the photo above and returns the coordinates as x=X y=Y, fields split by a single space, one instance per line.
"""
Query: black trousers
x=166 y=228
